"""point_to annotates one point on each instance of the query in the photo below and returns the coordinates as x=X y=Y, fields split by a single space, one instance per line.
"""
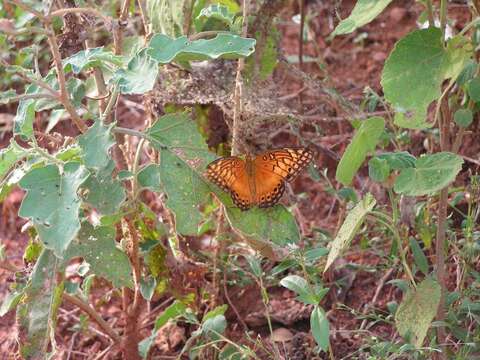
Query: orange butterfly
x=258 y=180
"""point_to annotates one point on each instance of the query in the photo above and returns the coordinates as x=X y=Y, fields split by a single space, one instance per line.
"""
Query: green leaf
x=56 y=220
x=213 y=326
x=166 y=16
x=10 y=302
x=320 y=328
x=378 y=169
x=23 y=121
x=417 y=310
x=364 y=141
x=459 y=52
x=6 y=96
x=468 y=72
x=184 y=157
x=349 y=228
x=140 y=75
x=96 y=143
x=149 y=178
x=9 y=157
x=97 y=246
x=147 y=287
x=76 y=91
x=187 y=192
x=219 y=310
x=299 y=285
x=172 y=311
x=463 y=117
x=418 y=255
x=363 y=12
x=219 y=12
x=415 y=70
x=275 y=224
x=473 y=87
x=105 y=193
x=165 y=49
x=91 y=58
x=380 y=166
x=398 y=160
x=431 y=173
x=37 y=314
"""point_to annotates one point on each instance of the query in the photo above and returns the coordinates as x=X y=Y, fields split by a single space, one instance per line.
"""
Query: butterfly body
x=258 y=180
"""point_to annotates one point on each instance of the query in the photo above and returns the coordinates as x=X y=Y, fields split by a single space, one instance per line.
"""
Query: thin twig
x=64 y=97
x=93 y=315
x=237 y=131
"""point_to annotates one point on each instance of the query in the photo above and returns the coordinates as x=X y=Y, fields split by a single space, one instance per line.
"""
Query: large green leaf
x=364 y=141
x=95 y=144
x=417 y=310
x=414 y=72
x=149 y=178
x=91 y=58
x=105 y=193
x=140 y=75
x=52 y=203
x=165 y=49
x=349 y=228
x=184 y=157
x=187 y=192
x=363 y=12
x=275 y=224
x=431 y=173
x=37 y=312
x=97 y=246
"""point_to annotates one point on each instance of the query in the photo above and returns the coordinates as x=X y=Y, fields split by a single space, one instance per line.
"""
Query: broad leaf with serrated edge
x=90 y=58
x=349 y=228
x=364 y=141
x=105 y=193
x=414 y=72
x=228 y=46
x=140 y=75
x=95 y=144
x=417 y=310
x=431 y=173
x=363 y=12
x=182 y=178
x=52 y=203
x=96 y=245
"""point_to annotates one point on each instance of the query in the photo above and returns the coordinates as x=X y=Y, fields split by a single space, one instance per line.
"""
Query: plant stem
x=82 y=305
x=237 y=131
x=431 y=17
x=57 y=59
x=443 y=17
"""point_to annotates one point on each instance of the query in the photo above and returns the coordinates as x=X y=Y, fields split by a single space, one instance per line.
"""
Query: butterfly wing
x=230 y=174
x=273 y=168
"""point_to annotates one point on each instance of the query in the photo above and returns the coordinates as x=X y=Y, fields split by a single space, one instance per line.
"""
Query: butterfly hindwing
x=230 y=174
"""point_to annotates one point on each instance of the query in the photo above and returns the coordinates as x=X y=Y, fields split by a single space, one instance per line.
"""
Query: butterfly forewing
x=230 y=174
x=286 y=162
